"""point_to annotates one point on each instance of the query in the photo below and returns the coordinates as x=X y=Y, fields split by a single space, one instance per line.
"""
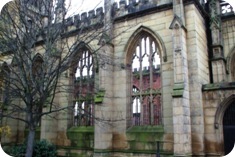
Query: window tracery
x=146 y=82
x=84 y=90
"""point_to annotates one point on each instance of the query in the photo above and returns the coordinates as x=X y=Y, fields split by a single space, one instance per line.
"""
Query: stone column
x=180 y=101
x=104 y=108
x=63 y=117
x=181 y=105
x=218 y=60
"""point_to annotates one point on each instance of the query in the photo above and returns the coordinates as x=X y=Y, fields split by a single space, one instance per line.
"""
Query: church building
x=160 y=81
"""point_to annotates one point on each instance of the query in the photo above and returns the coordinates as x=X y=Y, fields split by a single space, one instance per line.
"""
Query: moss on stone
x=81 y=137
x=144 y=138
x=178 y=90
x=99 y=96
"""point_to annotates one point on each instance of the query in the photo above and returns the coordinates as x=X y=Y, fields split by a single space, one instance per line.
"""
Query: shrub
x=41 y=149
x=45 y=149
x=5 y=131
x=17 y=151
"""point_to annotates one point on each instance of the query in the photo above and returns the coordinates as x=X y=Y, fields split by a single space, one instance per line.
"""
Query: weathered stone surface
x=194 y=89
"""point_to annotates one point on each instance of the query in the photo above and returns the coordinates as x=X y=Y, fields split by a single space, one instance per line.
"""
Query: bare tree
x=34 y=35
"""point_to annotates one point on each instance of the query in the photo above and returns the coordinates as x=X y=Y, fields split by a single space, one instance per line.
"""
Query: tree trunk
x=30 y=142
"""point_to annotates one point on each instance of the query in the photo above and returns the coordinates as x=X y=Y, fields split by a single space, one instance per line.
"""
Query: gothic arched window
x=84 y=90
x=37 y=75
x=37 y=67
x=146 y=82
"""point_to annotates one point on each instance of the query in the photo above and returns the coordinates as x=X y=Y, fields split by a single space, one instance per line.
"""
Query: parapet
x=125 y=7
x=134 y=6
x=86 y=20
x=95 y=18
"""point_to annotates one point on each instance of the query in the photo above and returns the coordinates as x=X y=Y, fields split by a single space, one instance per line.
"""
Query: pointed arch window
x=84 y=90
x=37 y=67
x=37 y=75
x=146 y=82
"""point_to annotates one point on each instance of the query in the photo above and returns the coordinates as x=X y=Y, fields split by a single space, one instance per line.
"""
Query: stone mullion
x=80 y=92
x=141 y=81
x=90 y=83
x=148 y=104
x=137 y=109
x=136 y=105
x=151 y=81
x=89 y=77
x=86 y=64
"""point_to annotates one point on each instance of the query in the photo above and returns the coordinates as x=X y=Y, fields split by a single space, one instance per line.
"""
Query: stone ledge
x=218 y=86
x=132 y=152
x=158 y=128
x=178 y=90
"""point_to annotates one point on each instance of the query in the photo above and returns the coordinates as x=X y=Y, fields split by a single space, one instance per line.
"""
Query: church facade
x=161 y=82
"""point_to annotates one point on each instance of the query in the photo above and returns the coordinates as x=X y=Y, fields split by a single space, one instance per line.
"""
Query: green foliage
x=41 y=149
x=17 y=151
x=44 y=148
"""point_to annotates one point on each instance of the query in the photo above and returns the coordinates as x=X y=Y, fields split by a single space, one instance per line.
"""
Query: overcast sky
x=79 y=6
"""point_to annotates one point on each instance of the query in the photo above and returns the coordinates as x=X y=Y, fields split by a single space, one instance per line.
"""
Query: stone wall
x=216 y=98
